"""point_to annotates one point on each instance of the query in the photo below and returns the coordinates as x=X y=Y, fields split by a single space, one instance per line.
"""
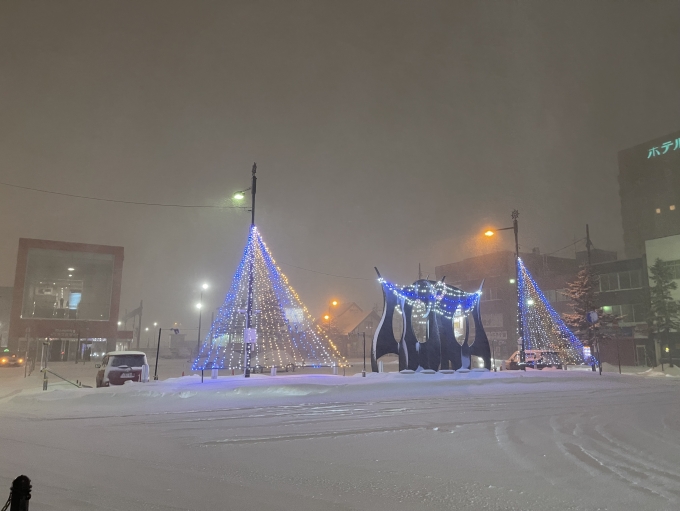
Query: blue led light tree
x=542 y=327
x=286 y=334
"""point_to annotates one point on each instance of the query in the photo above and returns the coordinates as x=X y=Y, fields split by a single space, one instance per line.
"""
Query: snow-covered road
x=535 y=441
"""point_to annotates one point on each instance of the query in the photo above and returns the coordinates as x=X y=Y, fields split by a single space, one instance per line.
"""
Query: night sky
x=386 y=133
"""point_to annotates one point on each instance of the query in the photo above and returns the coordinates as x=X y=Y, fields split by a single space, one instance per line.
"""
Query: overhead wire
x=119 y=201
x=324 y=273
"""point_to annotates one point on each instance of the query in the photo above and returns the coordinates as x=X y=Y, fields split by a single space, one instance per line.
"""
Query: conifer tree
x=582 y=298
x=664 y=311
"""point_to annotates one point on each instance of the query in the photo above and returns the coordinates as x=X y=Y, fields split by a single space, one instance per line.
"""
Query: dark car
x=8 y=359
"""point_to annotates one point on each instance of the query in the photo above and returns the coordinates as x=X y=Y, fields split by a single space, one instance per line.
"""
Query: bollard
x=232 y=372
x=273 y=370
x=20 y=494
x=380 y=366
x=213 y=373
x=44 y=380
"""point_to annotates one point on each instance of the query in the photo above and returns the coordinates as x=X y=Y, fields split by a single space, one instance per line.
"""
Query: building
x=649 y=186
x=668 y=250
x=66 y=299
x=5 y=311
x=347 y=325
x=624 y=292
x=499 y=294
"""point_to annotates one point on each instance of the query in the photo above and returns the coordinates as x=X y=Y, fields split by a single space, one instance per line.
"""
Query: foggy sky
x=386 y=133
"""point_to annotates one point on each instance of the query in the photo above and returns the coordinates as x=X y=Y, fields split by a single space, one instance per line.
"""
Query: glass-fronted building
x=66 y=299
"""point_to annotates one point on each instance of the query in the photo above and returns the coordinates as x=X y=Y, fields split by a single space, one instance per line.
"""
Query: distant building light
x=672 y=207
x=512 y=281
x=658 y=211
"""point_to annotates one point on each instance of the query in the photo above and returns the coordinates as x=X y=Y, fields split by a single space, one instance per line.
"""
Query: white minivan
x=117 y=367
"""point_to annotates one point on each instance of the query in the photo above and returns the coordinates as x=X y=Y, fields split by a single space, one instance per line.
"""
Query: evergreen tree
x=664 y=312
x=581 y=294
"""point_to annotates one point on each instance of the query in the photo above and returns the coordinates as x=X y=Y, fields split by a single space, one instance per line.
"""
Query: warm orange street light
x=327 y=317
x=489 y=233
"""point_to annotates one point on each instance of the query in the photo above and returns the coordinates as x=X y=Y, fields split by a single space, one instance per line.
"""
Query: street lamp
x=363 y=372
x=327 y=317
x=515 y=229
x=199 y=306
x=251 y=270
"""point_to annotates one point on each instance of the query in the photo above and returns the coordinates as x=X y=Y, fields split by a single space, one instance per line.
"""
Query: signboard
x=250 y=335
x=662 y=149
x=497 y=336
x=586 y=352
x=492 y=320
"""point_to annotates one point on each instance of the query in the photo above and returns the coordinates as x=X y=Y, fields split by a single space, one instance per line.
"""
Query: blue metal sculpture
x=429 y=312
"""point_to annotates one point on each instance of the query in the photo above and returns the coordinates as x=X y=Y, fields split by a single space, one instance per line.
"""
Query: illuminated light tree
x=287 y=335
x=542 y=326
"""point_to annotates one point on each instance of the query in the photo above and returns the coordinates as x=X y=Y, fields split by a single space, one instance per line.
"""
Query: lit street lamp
x=520 y=326
x=199 y=306
x=327 y=317
x=251 y=271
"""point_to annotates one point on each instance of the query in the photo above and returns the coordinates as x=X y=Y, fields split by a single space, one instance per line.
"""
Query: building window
x=489 y=294
x=672 y=207
x=621 y=280
x=658 y=211
x=674 y=266
x=629 y=313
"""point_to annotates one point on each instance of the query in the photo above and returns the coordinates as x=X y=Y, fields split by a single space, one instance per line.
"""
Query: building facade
x=348 y=323
x=649 y=187
x=66 y=299
x=499 y=294
x=624 y=292
x=666 y=249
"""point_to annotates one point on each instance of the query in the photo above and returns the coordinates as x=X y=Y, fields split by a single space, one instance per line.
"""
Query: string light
x=542 y=327
x=443 y=299
x=286 y=332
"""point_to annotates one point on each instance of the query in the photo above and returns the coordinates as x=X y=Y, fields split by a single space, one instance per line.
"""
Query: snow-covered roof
x=126 y=353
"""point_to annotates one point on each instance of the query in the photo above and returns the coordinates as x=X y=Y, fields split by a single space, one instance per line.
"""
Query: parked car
x=8 y=359
x=536 y=359
x=117 y=367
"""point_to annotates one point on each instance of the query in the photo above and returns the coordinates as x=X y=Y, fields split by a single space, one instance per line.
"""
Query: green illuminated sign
x=665 y=147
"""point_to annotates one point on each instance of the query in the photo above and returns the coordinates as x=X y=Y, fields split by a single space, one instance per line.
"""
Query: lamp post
x=520 y=325
x=251 y=268
x=199 y=306
x=328 y=316
x=363 y=372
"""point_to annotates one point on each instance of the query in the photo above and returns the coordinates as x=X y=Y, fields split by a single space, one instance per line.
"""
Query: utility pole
x=158 y=349
x=520 y=322
x=139 y=329
x=251 y=265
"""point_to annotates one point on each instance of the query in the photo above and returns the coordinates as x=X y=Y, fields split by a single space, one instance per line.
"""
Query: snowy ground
x=507 y=441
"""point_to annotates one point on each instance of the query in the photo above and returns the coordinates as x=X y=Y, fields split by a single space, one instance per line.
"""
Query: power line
x=160 y=204
x=323 y=273
x=570 y=245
